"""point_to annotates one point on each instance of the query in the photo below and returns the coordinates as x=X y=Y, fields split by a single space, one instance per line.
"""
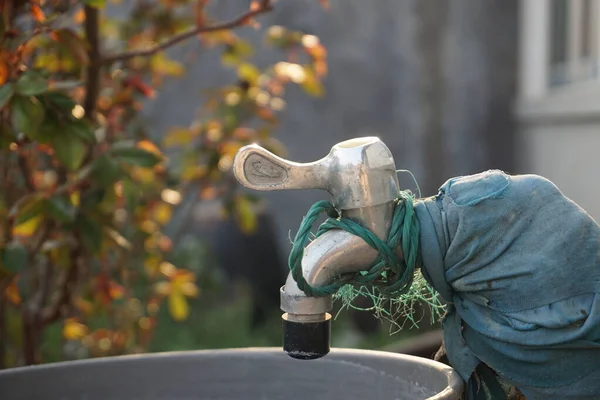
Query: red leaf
x=200 y=15
x=107 y=289
x=138 y=84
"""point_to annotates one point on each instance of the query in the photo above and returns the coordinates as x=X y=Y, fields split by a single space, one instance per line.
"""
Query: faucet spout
x=307 y=319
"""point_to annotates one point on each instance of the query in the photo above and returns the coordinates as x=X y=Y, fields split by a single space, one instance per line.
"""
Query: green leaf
x=31 y=83
x=160 y=64
x=178 y=137
x=246 y=217
x=136 y=156
x=6 y=92
x=95 y=3
x=248 y=72
x=50 y=128
x=61 y=100
x=15 y=257
x=132 y=193
x=81 y=129
x=106 y=171
x=74 y=44
x=6 y=136
x=4 y=273
x=311 y=84
x=31 y=209
x=69 y=150
x=90 y=232
x=27 y=114
x=234 y=54
x=313 y=88
x=92 y=198
x=61 y=209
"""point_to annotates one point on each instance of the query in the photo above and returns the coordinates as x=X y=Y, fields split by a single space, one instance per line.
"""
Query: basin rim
x=454 y=381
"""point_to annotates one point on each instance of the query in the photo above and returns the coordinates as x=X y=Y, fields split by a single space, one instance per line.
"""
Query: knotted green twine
x=391 y=275
x=390 y=280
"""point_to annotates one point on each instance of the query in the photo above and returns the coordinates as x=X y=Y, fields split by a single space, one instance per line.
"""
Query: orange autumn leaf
x=230 y=147
x=74 y=330
x=28 y=228
x=317 y=51
x=161 y=213
x=321 y=68
x=209 y=193
x=79 y=16
x=180 y=286
x=37 y=13
x=325 y=4
x=265 y=114
x=3 y=71
x=178 y=306
x=183 y=281
x=11 y=293
x=115 y=291
x=107 y=289
x=243 y=133
x=83 y=305
x=138 y=84
x=149 y=146
x=165 y=243
x=151 y=265
x=254 y=5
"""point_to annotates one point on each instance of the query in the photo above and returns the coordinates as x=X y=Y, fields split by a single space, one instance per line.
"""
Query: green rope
x=389 y=274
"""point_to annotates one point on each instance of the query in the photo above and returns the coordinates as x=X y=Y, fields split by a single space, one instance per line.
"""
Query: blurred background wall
x=559 y=96
x=435 y=80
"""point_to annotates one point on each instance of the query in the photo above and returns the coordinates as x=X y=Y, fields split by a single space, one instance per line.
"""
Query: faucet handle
x=259 y=169
x=357 y=173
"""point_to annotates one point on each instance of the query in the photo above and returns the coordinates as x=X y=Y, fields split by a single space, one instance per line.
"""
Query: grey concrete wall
x=435 y=80
x=559 y=139
x=568 y=156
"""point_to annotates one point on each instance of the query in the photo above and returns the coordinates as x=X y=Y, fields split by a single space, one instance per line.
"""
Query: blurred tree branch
x=93 y=70
x=24 y=167
x=263 y=7
x=67 y=288
x=3 y=339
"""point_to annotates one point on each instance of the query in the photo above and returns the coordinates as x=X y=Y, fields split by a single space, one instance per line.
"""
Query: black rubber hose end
x=306 y=340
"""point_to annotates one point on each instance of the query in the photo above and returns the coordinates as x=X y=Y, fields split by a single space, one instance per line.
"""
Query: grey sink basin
x=236 y=374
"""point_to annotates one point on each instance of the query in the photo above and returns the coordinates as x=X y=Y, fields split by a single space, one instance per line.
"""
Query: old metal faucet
x=360 y=175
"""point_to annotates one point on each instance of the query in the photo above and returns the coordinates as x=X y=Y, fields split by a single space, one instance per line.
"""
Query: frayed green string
x=398 y=310
x=391 y=275
x=390 y=280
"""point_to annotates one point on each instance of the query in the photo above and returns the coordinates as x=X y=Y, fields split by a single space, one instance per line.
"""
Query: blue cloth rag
x=519 y=265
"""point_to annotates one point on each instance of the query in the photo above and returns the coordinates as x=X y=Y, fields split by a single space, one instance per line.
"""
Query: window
x=573 y=41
